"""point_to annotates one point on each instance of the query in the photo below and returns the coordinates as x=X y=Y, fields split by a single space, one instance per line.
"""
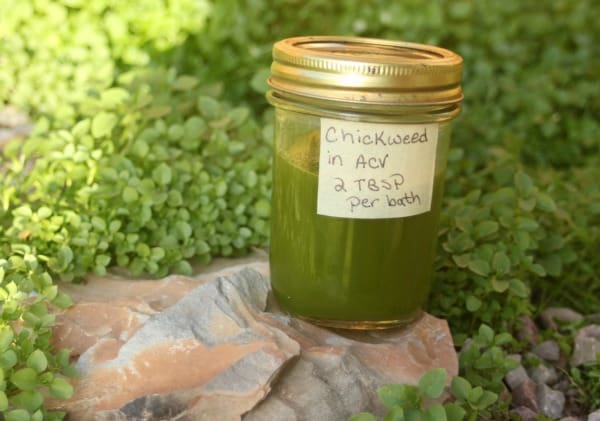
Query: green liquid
x=338 y=269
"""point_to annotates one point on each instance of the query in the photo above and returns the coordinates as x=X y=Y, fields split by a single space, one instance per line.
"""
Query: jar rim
x=366 y=70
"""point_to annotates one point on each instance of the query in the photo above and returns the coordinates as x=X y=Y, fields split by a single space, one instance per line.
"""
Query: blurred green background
x=152 y=146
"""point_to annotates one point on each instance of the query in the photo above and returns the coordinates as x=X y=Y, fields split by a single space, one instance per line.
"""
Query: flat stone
x=549 y=316
x=594 y=416
x=525 y=395
x=587 y=345
x=570 y=419
x=547 y=350
x=515 y=377
x=524 y=413
x=338 y=373
x=214 y=346
x=551 y=402
x=544 y=374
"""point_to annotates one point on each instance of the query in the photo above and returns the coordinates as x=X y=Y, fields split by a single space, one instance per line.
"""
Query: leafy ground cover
x=152 y=147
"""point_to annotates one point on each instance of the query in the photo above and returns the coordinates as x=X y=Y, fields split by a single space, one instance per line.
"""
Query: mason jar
x=362 y=133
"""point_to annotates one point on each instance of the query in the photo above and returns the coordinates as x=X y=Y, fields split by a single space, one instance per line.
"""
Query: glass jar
x=362 y=133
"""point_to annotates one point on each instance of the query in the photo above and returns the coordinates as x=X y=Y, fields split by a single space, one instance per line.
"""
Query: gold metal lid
x=366 y=71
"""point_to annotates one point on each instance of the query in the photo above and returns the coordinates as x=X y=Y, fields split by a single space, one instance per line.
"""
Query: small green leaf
x=546 y=203
x=6 y=337
x=103 y=124
x=473 y=303
x=98 y=223
x=503 y=338
x=24 y=379
x=527 y=224
x=399 y=395
x=61 y=389
x=524 y=183
x=162 y=174
x=3 y=401
x=17 y=415
x=486 y=228
x=262 y=208
x=432 y=383
x=413 y=414
x=480 y=267
x=486 y=399
x=175 y=132
x=396 y=414
x=130 y=194
x=454 y=412
x=552 y=264
x=259 y=80
x=65 y=255
x=460 y=387
x=158 y=111
x=185 y=83
x=518 y=288
x=501 y=263
x=434 y=412
x=37 y=360
x=475 y=394
x=50 y=292
x=538 y=269
x=209 y=107
x=499 y=285
x=183 y=267
x=461 y=260
x=30 y=400
x=8 y=359
x=62 y=300
x=486 y=333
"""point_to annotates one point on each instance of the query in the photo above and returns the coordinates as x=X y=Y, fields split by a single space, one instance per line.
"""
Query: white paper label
x=371 y=170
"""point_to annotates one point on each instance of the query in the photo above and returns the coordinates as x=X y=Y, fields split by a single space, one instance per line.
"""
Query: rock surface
x=549 y=316
x=547 y=350
x=525 y=395
x=551 y=402
x=215 y=346
x=587 y=345
x=594 y=416
x=544 y=374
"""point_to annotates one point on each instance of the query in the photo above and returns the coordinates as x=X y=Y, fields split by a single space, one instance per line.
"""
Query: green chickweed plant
x=30 y=370
x=500 y=234
x=152 y=174
x=587 y=379
x=409 y=403
x=473 y=395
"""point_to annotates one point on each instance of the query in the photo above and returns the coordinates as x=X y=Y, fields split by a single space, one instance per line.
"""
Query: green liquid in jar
x=339 y=269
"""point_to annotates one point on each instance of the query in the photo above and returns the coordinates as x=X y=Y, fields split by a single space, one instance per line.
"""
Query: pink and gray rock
x=216 y=347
